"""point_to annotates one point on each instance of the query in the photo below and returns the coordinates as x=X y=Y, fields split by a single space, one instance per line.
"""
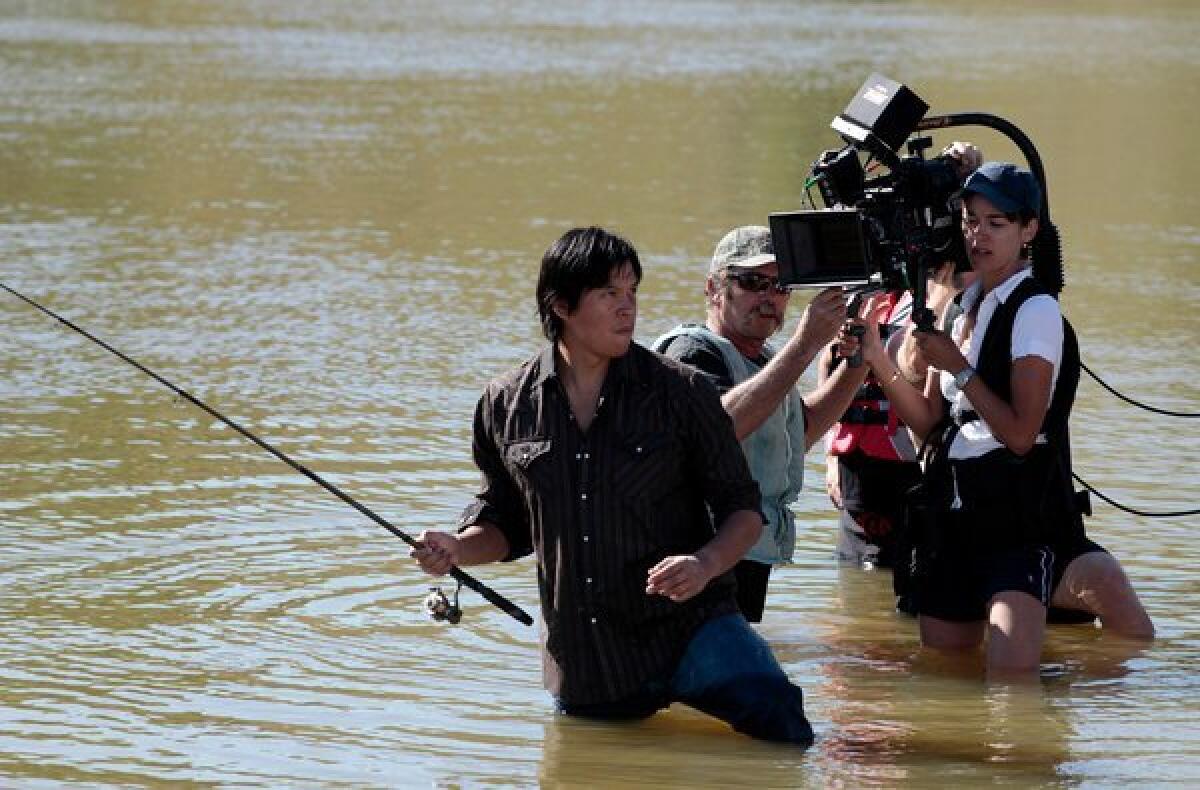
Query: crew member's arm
x=833 y=485
x=902 y=350
x=1016 y=424
x=833 y=480
x=828 y=402
x=754 y=400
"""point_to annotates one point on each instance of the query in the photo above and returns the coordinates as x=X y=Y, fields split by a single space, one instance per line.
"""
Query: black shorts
x=1064 y=555
x=957 y=584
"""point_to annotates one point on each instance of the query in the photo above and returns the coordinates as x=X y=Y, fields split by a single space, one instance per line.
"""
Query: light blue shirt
x=774 y=452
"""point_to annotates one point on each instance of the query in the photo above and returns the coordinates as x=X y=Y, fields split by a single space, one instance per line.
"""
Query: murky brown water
x=325 y=218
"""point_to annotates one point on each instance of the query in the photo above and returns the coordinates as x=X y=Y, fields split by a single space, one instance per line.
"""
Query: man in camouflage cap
x=746 y=247
x=745 y=306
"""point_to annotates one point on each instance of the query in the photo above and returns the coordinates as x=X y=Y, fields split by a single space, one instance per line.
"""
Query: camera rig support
x=1047 y=245
x=887 y=230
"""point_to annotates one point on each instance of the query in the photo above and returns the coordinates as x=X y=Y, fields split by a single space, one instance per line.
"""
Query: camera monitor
x=820 y=248
x=883 y=109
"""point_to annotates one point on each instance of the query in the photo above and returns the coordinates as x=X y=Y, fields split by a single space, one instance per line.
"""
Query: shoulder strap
x=953 y=310
x=994 y=351
x=1059 y=413
x=995 y=358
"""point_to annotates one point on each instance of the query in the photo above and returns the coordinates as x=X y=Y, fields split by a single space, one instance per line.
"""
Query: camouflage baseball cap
x=747 y=246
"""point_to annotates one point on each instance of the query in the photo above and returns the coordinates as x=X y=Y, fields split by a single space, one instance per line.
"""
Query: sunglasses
x=754 y=282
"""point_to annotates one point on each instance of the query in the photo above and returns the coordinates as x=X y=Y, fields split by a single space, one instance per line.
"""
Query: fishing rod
x=436 y=604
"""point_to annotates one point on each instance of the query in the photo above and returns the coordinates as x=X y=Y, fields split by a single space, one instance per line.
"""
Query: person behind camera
x=994 y=413
x=1088 y=581
x=745 y=305
x=619 y=471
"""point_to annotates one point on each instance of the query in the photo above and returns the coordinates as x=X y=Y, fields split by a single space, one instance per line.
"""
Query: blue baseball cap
x=1008 y=187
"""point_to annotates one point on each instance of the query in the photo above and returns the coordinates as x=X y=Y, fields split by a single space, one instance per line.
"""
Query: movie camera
x=888 y=218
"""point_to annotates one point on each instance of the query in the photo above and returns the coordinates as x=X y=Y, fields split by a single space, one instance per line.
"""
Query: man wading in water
x=605 y=461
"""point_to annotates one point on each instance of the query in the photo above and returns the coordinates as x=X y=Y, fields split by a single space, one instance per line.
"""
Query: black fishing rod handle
x=490 y=595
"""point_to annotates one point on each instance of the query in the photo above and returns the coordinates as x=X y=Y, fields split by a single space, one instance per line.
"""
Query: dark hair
x=582 y=258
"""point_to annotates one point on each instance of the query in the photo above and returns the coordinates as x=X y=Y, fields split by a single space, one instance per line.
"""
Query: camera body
x=881 y=229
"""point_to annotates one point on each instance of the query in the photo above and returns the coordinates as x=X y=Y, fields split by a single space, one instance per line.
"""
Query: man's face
x=603 y=321
x=747 y=303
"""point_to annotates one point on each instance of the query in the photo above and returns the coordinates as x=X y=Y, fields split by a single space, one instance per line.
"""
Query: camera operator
x=745 y=306
x=1088 y=581
x=997 y=489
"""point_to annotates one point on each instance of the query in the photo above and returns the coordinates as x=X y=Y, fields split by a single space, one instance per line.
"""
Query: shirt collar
x=630 y=366
x=545 y=366
x=1001 y=292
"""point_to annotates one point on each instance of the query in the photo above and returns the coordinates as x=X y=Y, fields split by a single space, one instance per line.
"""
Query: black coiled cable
x=1048 y=269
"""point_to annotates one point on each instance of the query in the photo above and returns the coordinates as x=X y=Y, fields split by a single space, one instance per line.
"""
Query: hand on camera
x=822 y=317
x=873 y=312
x=967 y=157
x=848 y=342
x=902 y=348
x=939 y=350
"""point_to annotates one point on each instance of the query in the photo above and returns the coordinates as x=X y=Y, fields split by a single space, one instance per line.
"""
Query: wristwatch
x=963 y=376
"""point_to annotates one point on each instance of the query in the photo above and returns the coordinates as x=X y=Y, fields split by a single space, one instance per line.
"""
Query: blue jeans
x=729 y=672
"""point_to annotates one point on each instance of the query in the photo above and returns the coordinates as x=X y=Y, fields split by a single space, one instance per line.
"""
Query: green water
x=325 y=219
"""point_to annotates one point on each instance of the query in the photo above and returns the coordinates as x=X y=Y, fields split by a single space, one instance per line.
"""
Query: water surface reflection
x=323 y=220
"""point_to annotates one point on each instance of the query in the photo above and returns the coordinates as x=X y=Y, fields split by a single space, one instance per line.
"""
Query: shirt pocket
x=528 y=461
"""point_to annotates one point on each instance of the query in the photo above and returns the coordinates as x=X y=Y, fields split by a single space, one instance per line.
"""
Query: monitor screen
x=820 y=248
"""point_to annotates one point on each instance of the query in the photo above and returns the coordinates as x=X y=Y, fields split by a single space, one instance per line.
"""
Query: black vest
x=1016 y=498
x=995 y=363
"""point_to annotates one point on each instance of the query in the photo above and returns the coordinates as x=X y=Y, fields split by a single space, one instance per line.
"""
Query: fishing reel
x=440 y=608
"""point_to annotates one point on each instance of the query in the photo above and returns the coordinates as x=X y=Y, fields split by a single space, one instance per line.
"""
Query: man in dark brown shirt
x=612 y=465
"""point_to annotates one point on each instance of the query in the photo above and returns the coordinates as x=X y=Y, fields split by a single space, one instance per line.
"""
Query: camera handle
x=852 y=307
x=922 y=317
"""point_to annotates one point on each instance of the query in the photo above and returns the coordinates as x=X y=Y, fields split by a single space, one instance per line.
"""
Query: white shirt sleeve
x=1038 y=330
